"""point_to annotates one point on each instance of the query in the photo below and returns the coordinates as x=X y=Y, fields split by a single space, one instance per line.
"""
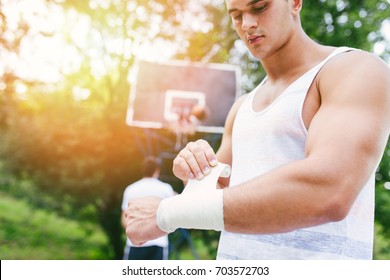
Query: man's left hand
x=141 y=223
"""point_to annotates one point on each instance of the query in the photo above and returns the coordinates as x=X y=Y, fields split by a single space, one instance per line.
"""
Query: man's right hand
x=194 y=161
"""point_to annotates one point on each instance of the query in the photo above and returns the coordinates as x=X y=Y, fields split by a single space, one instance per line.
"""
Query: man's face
x=262 y=24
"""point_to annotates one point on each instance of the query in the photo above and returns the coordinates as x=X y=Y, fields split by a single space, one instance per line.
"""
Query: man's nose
x=248 y=21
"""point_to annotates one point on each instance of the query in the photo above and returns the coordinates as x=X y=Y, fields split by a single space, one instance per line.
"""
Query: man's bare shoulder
x=357 y=81
x=355 y=71
x=356 y=63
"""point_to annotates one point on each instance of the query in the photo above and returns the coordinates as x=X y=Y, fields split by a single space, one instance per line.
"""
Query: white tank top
x=275 y=136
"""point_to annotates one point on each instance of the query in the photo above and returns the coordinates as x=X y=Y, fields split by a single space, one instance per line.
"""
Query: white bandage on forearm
x=199 y=206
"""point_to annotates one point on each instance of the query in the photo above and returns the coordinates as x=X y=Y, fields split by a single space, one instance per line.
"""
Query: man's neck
x=296 y=57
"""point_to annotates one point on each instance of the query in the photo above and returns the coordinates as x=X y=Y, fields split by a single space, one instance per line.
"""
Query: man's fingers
x=194 y=161
x=204 y=156
x=209 y=152
x=181 y=169
x=137 y=242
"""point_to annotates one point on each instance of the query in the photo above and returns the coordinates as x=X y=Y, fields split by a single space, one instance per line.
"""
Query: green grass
x=27 y=233
x=381 y=244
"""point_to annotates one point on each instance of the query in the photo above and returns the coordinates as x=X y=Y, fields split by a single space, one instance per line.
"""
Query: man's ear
x=296 y=6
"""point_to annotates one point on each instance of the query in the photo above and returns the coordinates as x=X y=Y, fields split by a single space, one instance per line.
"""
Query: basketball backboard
x=163 y=91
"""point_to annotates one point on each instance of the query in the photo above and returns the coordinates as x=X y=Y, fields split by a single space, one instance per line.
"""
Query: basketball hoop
x=183 y=111
x=155 y=98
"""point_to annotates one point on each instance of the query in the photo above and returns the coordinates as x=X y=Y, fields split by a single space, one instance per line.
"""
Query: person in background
x=149 y=185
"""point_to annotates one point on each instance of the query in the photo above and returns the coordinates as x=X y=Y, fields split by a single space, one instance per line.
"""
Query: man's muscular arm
x=346 y=139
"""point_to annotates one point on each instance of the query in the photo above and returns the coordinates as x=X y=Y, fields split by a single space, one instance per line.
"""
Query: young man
x=149 y=185
x=303 y=146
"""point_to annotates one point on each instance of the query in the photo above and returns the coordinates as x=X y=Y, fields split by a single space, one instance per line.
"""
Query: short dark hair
x=149 y=166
